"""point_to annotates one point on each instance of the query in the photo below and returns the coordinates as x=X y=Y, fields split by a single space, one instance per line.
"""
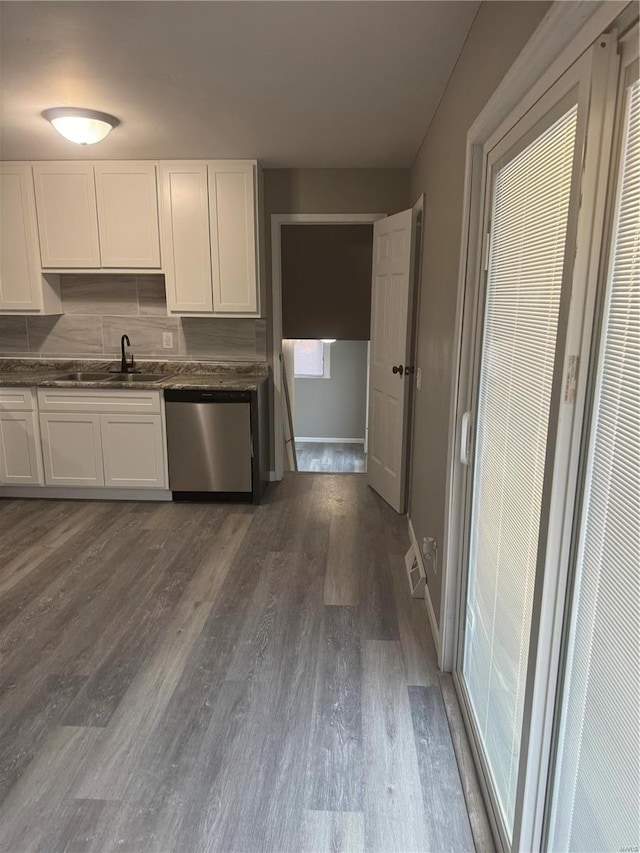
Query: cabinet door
x=232 y=206
x=133 y=451
x=128 y=215
x=67 y=216
x=185 y=237
x=19 y=263
x=71 y=449
x=20 y=455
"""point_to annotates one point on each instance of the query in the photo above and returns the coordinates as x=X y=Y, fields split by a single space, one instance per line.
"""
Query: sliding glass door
x=531 y=188
x=596 y=790
x=548 y=658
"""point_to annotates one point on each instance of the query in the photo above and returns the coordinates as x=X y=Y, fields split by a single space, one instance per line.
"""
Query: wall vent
x=415 y=573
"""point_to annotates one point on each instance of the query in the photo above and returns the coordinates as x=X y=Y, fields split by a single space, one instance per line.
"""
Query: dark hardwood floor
x=180 y=677
x=332 y=458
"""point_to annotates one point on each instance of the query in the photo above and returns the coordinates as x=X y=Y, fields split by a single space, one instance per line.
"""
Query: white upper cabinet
x=67 y=215
x=185 y=237
x=232 y=215
x=209 y=237
x=127 y=215
x=23 y=288
x=200 y=227
x=97 y=215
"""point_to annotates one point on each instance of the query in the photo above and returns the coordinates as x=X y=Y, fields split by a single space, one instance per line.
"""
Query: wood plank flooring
x=202 y=677
x=331 y=458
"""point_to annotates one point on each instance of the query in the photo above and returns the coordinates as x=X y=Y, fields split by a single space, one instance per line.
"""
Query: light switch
x=418 y=379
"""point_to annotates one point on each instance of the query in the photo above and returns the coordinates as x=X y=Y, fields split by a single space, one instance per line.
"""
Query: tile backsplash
x=99 y=309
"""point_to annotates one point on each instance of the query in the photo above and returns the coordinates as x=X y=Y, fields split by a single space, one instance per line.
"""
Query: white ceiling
x=295 y=84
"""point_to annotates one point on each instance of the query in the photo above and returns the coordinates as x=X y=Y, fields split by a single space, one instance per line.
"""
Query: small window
x=311 y=360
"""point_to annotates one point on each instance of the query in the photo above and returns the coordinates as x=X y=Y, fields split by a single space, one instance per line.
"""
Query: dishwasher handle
x=204 y=396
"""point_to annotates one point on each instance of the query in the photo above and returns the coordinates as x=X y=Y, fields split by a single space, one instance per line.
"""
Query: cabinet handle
x=465 y=435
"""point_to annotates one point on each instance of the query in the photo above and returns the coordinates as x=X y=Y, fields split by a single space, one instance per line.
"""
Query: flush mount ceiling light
x=84 y=127
x=328 y=340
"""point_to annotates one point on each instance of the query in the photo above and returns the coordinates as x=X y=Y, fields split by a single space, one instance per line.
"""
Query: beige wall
x=497 y=35
x=335 y=190
x=330 y=191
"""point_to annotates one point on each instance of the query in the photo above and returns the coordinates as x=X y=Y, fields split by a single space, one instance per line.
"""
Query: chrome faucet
x=126 y=366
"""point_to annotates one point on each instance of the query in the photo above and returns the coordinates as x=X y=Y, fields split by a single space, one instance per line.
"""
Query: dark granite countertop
x=227 y=376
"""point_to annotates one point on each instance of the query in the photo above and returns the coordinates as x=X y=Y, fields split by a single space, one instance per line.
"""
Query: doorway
x=380 y=308
x=321 y=331
x=329 y=404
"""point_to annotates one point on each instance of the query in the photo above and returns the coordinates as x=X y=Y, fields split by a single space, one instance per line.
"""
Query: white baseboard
x=432 y=620
x=90 y=494
x=435 y=632
x=311 y=440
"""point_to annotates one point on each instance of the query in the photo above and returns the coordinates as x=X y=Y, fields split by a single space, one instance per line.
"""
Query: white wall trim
x=433 y=623
x=95 y=494
x=277 y=221
x=311 y=439
x=565 y=33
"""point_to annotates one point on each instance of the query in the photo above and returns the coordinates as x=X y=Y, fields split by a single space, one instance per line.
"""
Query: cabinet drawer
x=110 y=400
x=17 y=399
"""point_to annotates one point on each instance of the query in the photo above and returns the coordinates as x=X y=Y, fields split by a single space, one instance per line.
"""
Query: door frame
x=277 y=221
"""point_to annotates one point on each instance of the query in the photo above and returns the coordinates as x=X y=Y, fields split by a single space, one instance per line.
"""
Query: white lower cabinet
x=110 y=438
x=20 y=457
x=72 y=449
x=133 y=451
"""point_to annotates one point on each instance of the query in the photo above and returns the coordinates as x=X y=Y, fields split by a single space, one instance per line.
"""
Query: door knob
x=398 y=368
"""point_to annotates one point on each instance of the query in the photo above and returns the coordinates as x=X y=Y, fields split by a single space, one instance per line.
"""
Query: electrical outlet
x=418 y=379
x=167 y=340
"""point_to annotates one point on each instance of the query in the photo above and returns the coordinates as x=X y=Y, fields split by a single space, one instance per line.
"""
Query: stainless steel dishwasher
x=209 y=442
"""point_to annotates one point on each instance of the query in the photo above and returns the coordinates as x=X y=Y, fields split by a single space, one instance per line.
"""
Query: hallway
x=211 y=677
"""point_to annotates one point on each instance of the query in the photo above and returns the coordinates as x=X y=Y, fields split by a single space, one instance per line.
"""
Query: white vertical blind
x=596 y=795
x=531 y=197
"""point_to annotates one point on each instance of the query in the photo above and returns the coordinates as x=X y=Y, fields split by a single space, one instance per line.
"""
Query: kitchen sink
x=84 y=377
x=137 y=377
x=110 y=376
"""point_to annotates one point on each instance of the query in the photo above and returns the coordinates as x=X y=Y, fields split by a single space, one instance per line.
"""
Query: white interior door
x=390 y=343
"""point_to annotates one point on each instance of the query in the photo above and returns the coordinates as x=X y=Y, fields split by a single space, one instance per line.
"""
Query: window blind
x=530 y=207
x=309 y=358
x=596 y=794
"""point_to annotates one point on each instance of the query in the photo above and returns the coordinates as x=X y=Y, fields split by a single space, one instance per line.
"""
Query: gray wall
x=98 y=309
x=497 y=35
x=336 y=407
